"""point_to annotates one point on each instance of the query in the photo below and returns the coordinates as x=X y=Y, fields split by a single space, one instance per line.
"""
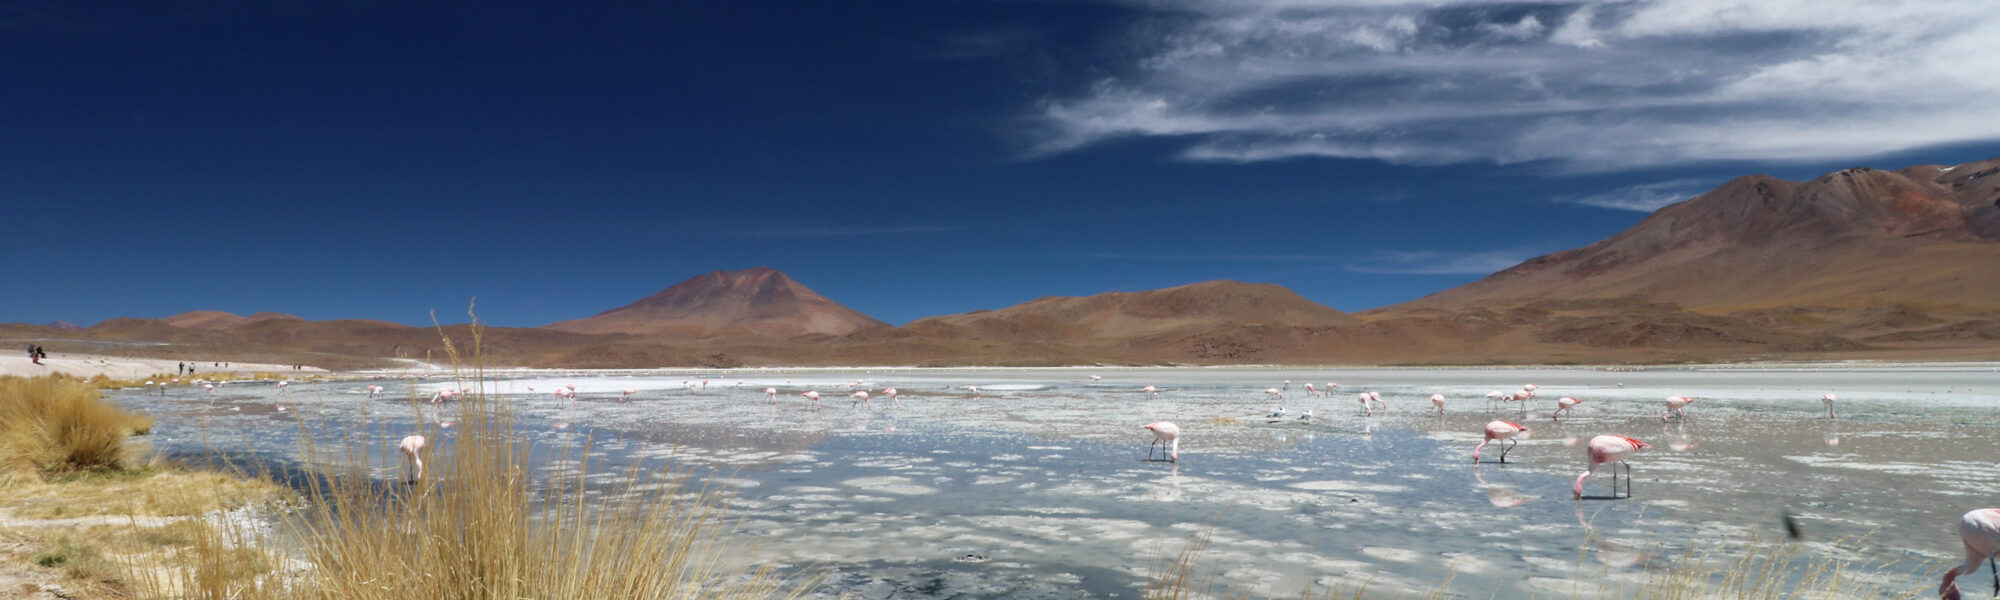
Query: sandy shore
x=122 y=367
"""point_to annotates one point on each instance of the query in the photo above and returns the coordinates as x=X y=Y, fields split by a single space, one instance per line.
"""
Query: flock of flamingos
x=1979 y=529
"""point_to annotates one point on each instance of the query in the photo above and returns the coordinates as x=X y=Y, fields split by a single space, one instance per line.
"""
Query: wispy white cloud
x=1646 y=197
x=1589 y=85
x=1426 y=262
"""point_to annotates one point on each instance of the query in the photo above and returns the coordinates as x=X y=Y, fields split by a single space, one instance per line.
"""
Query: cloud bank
x=1588 y=86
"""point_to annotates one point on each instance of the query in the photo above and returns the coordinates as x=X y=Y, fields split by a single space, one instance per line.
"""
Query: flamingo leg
x=1995 y=569
x=1504 y=451
x=1628 y=479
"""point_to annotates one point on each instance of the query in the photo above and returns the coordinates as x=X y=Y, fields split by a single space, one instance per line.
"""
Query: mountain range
x=1860 y=263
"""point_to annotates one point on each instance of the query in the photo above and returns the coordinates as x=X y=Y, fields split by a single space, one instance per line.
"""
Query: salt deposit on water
x=1039 y=487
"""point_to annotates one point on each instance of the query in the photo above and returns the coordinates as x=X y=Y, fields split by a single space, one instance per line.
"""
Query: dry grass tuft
x=483 y=524
x=54 y=426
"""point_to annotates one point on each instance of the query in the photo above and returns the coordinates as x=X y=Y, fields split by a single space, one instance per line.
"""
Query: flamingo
x=282 y=384
x=1438 y=401
x=1376 y=397
x=1151 y=390
x=373 y=390
x=1363 y=397
x=1676 y=405
x=1288 y=385
x=1499 y=431
x=891 y=393
x=1563 y=405
x=1311 y=392
x=1166 y=435
x=1274 y=393
x=443 y=395
x=1096 y=378
x=1828 y=399
x=771 y=393
x=1610 y=449
x=208 y=386
x=1330 y=385
x=410 y=447
x=863 y=397
x=814 y=397
x=1980 y=530
x=1492 y=397
x=975 y=391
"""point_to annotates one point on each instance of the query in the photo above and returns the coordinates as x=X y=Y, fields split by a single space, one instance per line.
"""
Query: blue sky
x=909 y=159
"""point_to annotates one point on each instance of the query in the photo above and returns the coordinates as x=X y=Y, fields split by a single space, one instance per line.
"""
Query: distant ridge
x=64 y=325
x=1126 y=315
x=757 y=302
x=218 y=320
x=1927 y=236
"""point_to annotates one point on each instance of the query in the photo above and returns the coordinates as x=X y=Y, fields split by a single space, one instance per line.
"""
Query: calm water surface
x=1038 y=486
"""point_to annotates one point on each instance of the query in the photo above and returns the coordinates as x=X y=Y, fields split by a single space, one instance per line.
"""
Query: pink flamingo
x=975 y=391
x=443 y=395
x=1330 y=386
x=410 y=448
x=1828 y=399
x=1151 y=390
x=1610 y=449
x=771 y=393
x=1563 y=405
x=1676 y=405
x=1365 y=408
x=626 y=394
x=208 y=386
x=1376 y=397
x=1438 y=401
x=863 y=397
x=1096 y=378
x=1499 y=431
x=814 y=397
x=1980 y=531
x=1288 y=385
x=1167 y=436
x=282 y=384
x=1274 y=393
x=373 y=390
x=1311 y=392
x=1492 y=397
x=892 y=393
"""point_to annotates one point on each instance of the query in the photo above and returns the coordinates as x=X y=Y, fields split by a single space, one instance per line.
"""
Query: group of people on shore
x=36 y=353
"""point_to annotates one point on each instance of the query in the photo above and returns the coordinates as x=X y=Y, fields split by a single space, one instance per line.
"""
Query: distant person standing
x=181 y=368
x=33 y=356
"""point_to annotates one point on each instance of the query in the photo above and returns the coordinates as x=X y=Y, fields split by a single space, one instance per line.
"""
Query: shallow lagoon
x=1038 y=486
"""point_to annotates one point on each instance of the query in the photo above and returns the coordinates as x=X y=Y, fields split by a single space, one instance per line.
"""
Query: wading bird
x=771 y=393
x=1365 y=408
x=814 y=397
x=975 y=391
x=627 y=393
x=1311 y=392
x=1151 y=390
x=1563 y=405
x=1274 y=393
x=1828 y=399
x=862 y=397
x=1610 y=449
x=373 y=390
x=411 y=447
x=1168 y=437
x=1980 y=530
x=1498 y=431
x=891 y=393
x=443 y=395
x=1096 y=378
x=1678 y=406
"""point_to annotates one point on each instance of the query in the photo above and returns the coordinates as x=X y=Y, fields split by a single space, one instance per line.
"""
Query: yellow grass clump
x=483 y=523
x=54 y=426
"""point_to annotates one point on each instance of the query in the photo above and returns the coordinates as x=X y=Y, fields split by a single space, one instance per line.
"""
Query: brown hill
x=1117 y=316
x=218 y=320
x=759 y=302
x=1925 y=236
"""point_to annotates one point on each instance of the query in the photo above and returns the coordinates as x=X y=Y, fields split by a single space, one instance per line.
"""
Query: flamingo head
x=1949 y=589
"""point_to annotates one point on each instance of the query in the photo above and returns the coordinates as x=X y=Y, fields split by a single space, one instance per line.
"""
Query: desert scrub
x=53 y=426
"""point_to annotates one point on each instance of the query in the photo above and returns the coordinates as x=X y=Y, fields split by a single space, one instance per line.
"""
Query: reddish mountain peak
x=215 y=319
x=760 y=301
x=1845 y=238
